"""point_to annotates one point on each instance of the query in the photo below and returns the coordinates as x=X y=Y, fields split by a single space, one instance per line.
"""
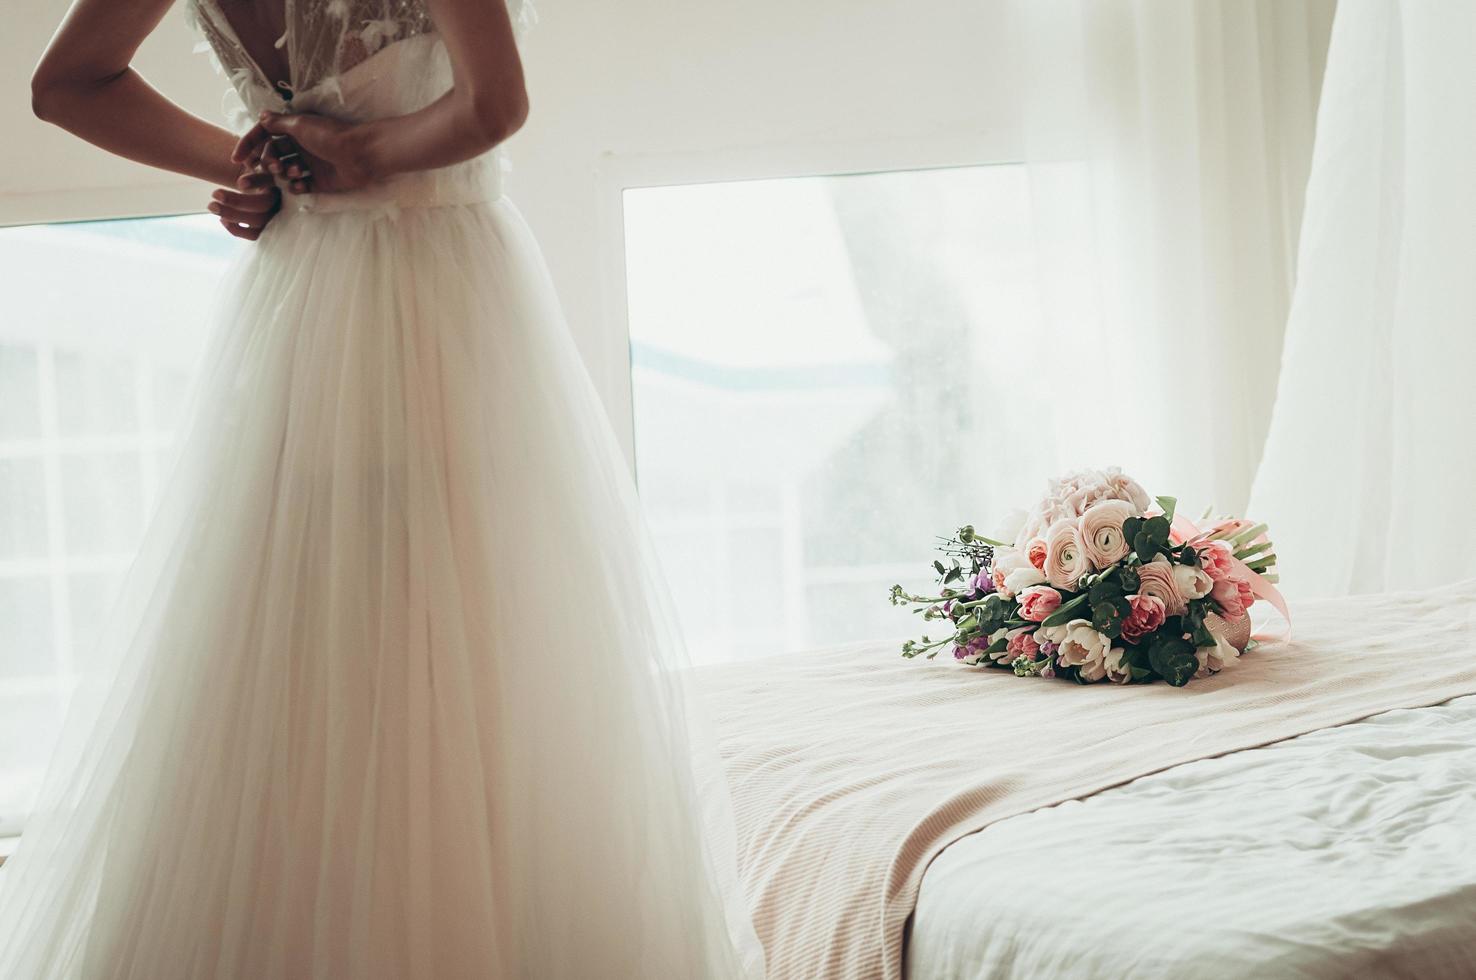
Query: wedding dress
x=393 y=694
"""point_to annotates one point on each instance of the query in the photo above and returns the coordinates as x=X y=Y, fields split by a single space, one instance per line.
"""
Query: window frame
x=161 y=201
x=611 y=363
x=166 y=199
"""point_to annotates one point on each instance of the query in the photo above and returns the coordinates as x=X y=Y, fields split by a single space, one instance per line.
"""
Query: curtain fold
x=1369 y=462
x=1168 y=144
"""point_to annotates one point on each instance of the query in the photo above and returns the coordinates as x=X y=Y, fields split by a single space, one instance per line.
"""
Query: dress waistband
x=472 y=184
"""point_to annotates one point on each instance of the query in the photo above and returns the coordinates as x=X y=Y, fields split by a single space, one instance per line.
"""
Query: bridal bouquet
x=1100 y=584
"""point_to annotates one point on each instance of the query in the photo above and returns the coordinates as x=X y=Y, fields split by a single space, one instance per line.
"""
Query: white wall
x=624 y=92
x=48 y=175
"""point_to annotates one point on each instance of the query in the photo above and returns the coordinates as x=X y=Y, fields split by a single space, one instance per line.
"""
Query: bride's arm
x=84 y=84
x=486 y=104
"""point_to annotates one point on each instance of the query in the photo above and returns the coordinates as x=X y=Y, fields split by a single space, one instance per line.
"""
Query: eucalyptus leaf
x=1144 y=546
x=1182 y=668
x=1107 y=620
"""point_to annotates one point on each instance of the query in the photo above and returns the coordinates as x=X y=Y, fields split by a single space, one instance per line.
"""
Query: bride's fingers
x=239 y=216
x=249 y=232
x=268 y=159
x=229 y=204
x=278 y=153
x=250 y=145
x=244 y=215
x=255 y=180
x=289 y=155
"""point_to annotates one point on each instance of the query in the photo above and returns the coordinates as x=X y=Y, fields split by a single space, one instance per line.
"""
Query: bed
x=1309 y=813
x=1348 y=852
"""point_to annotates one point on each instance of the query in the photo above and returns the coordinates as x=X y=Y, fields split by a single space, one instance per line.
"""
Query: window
x=96 y=353
x=814 y=365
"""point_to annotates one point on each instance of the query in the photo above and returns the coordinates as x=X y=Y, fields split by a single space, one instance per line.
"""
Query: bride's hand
x=311 y=153
x=246 y=211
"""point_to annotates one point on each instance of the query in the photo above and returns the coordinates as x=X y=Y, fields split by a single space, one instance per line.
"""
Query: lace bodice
x=352 y=59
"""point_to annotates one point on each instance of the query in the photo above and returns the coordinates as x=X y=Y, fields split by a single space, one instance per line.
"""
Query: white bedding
x=1346 y=853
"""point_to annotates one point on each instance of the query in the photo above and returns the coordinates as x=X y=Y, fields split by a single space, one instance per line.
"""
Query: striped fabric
x=851 y=769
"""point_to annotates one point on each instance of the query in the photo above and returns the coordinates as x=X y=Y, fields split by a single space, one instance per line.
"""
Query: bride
x=391 y=691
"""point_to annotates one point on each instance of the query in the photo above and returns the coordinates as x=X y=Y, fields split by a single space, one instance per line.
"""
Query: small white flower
x=1213 y=659
x=1023 y=578
x=1192 y=581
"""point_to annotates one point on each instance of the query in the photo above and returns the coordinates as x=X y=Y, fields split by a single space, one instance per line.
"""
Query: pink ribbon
x=1189 y=532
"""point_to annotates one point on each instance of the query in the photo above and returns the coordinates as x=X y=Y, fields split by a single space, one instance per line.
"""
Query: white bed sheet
x=1349 y=852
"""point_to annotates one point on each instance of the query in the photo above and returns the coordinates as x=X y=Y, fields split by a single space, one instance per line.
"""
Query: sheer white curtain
x=1168 y=145
x=1369 y=465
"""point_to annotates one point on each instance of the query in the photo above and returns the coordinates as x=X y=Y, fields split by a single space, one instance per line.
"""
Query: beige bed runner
x=852 y=768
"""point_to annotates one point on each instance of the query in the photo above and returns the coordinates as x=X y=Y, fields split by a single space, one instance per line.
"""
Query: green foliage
x=1149 y=537
x=1172 y=658
x=1066 y=612
x=1193 y=623
x=1107 y=617
x=1109 y=602
x=993 y=612
x=1127 y=576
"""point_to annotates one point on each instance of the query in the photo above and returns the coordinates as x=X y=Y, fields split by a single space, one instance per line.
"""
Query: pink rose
x=1233 y=596
x=1038 y=602
x=1157 y=579
x=1101 y=532
x=1066 y=562
x=1147 y=613
x=1036 y=552
x=1217 y=560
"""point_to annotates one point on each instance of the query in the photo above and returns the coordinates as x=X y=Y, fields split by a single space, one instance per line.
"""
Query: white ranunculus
x=1192 y=581
x=1023 y=578
x=1006 y=561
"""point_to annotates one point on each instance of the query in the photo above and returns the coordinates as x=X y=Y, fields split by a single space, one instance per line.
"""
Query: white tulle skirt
x=393 y=693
